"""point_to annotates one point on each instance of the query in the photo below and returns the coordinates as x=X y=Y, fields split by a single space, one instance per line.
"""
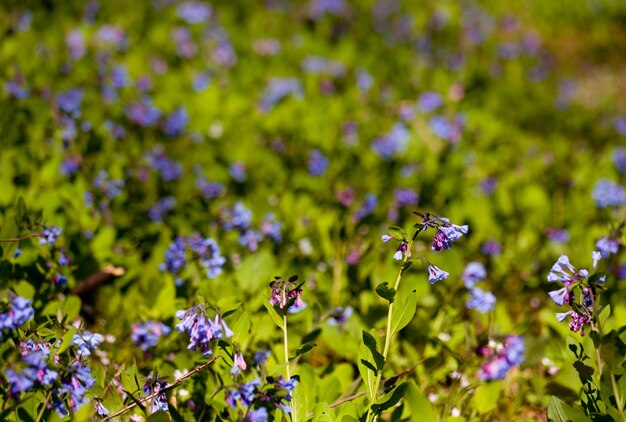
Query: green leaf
x=486 y=396
x=322 y=412
x=66 y=340
x=367 y=369
x=604 y=314
x=20 y=211
x=406 y=265
x=159 y=416
x=559 y=411
x=390 y=399
x=273 y=314
x=420 y=407
x=403 y=313
x=304 y=348
x=370 y=343
x=24 y=415
x=71 y=307
x=242 y=325
x=398 y=233
x=385 y=292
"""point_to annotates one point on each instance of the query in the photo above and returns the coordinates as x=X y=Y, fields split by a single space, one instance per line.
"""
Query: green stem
x=43 y=408
x=294 y=412
x=370 y=414
x=618 y=398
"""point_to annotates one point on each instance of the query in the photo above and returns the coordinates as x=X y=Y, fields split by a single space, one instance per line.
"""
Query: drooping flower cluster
x=194 y=247
x=501 y=357
x=201 y=329
x=49 y=235
x=287 y=295
x=147 y=334
x=158 y=160
x=480 y=300
x=608 y=194
x=339 y=316
x=34 y=373
x=74 y=386
x=581 y=313
x=239 y=218
x=17 y=314
x=86 y=342
x=254 y=394
x=153 y=387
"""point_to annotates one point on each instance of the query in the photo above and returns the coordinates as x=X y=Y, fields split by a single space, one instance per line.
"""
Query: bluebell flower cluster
x=69 y=102
x=278 y=89
x=480 y=300
x=272 y=228
x=86 y=342
x=287 y=295
x=368 y=207
x=405 y=197
x=201 y=329
x=147 y=334
x=161 y=208
x=74 y=386
x=143 y=113
x=619 y=159
x=35 y=372
x=557 y=235
x=49 y=235
x=238 y=171
x=176 y=122
x=210 y=190
x=194 y=12
x=160 y=401
x=70 y=166
x=436 y=274
x=395 y=141
x=501 y=357
x=16 y=89
x=608 y=194
x=244 y=394
x=339 y=316
x=608 y=246
x=169 y=169
x=429 y=101
x=261 y=356
x=18 y=313
x=564 y=272
x=193 y=248
x=239 y=364
x=318 y=163
x=111 y=188
x=446 y=128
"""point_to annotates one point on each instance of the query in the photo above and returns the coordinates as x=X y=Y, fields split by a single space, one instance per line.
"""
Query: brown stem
x=166 y=388
x=17 y=239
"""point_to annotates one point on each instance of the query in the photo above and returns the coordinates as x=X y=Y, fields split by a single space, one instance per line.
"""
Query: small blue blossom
x=272 y=228
x=368 y=207
x=251 y=239
x=258 y=415
x=143 y=113
x=608 y=194
x=201 y=330
x=405 y=197
x=194 y=12
x=481 y=300
x=120 y=77
x=161 y=208
x=100 y=409
x=436 y=274
x=238 y=217
x=210 y=190
x=176 y=122
x=261 y=357
x=607 y=246
x=160 y=401
x=17 y=253
x=619 y=159
x=278 y=89
x=429 y=101
x=87 y=342
x=318 y=163
x=339 y=316
x=395 y=141
x=147 y=334
x=238 y=171
x=473 y=273
x=158 y=160
x=49 y=235
x=111 y=188
x=69 y=101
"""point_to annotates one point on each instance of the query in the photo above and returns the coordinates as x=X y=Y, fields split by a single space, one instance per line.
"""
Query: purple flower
x=278 y=89
x=491 y=247
x=69 y=101
x=111 y=188
x=158 y=160
x=201 y=81
x=620 y=124
x=339 y=316
x=86 y=342
x=607 y=246
x=318 y=163
x=508 y=354
x=161 y=208
x=473 y=273
x=100 y=409
x=481 y=300
x=70 y=165
x=75 y=384
x=488 y=185
x=210 y=190
x=143 y=113
x=251 y=239
x=405 y=197
x=288 y=299
x=436 y=274
x=446 y=235
x=369 y=204
x=201 y=330
x=194 y=12
x=16 y=89
x=288 y=386
x=317 y=8
x=146 y=334
x=608 y=194
x=395 y=141
x=272 y=228
x=238 y=217
x=20 y=311
x=557 y=236
x=176 y=122
x=18 y=382
x=619 y=159
x=119 y=77
x=160 y=401
x=429 y=101
x=261 y=357
x=402 y=251
x=17 y=253
x=258 y=415
x=238 y=171
x=239 y=364
x=49 y=235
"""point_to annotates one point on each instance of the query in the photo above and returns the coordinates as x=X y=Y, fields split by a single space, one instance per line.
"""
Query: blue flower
x=473 y=273
x=261 y=357
x=49 y=235
x=258 y=415
x=339 y=316
x=405 y=197
x=69 y=101
x=429 y=101
x=395 y=141
x=146 y=335
x=608 y=194
x=436 y=274
x=194 y=12
x=318 y=163
x=481 y=300
x=176 y=122
x=87 y=342
x=607 y=246
x=161 y=208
